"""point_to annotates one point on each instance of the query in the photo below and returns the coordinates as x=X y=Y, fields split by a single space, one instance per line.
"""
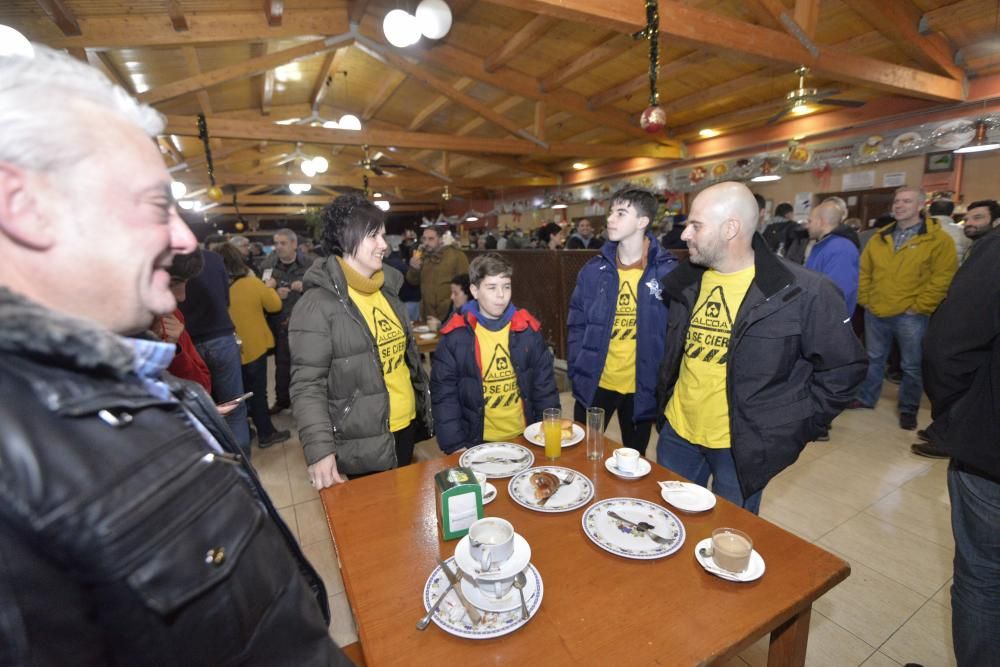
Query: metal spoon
x=520 y=581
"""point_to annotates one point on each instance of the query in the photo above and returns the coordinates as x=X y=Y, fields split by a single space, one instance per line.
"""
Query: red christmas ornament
x=653 y=119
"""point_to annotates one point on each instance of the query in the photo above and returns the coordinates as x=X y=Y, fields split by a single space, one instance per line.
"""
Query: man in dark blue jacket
x=760 y=357
x=618 y=321
x=836 y=253
x=492 y=372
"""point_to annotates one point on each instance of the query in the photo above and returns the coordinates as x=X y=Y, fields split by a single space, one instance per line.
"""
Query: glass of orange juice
x=552 y=430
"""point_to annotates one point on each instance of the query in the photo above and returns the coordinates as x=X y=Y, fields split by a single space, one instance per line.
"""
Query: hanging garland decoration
x=653 y=118
x=214 y=192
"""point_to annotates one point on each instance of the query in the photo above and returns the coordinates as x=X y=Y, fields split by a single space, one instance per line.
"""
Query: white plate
x=907 y=141
x=427 y=336
x=686 y=496
x=954 y=134
x=421 y=328
x=479 y=459
x=489 y=493
x=642 y=469
x=517 y=561
x=567 y=497
x=754 y=571
x=533 y=434
x=451 y=617
x=626 y=541
x=508 y=602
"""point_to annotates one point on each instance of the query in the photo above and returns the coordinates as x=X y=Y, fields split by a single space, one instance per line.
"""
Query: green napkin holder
x=459 y=501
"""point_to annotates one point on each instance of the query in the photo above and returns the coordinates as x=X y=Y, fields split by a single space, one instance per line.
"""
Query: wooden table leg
x=788 y=642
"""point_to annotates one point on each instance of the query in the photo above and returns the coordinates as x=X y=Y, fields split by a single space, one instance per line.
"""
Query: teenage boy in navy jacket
x=492 y=372
x=618 y=320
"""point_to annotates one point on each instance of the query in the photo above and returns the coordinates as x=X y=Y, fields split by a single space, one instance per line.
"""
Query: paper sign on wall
x=859 y=180
x=802 y=204
x=893 y=179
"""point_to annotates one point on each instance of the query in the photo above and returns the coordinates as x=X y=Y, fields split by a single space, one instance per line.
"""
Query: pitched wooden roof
x=517 y=92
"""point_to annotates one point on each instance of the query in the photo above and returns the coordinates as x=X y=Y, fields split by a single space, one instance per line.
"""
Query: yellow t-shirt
x=698 y=409
x=390 y=340
x=504 y=416
x=619 y=367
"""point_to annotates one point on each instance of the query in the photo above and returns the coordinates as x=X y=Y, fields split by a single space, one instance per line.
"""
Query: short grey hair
x=288 y=234
x=839 y=204
x=239 y=241
x=913 y=188
x=47 y=137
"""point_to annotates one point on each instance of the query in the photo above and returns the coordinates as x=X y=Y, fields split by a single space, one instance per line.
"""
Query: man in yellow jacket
x=906 y=269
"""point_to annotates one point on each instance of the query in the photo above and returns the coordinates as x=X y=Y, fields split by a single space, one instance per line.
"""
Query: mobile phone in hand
x=238 y=399
x=266 y=275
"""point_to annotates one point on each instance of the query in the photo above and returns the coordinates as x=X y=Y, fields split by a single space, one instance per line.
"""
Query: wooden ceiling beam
x=787 y=22
x=103 y=62
x=718 y=92
x=135 y=31
x=439 y=103
x=242 y=70
x=194 y=68
x=274 y=11
x=806 y=15
x=382 y=95
x=62 y=16
x=298 y=203
x=513 y=164
x=516 y=43
x=899 y=20
x=326 y=76
x=564 y=72
x=176 y=14
x=418 y=73
x=514 y=82
x=726 y=34
x=262 y=130
x=357 y=10
x=626 y=88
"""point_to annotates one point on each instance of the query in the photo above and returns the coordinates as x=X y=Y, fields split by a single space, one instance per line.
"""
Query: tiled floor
x=862 y=495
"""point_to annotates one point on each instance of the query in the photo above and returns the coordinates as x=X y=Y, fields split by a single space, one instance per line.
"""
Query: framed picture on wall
x=939 y=162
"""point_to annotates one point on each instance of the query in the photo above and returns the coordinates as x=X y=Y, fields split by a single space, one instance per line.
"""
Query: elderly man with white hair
x=131 y=530
x=759 y=357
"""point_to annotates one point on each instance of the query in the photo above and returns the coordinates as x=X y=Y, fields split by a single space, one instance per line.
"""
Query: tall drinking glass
x=552 y=430
x=595 y=434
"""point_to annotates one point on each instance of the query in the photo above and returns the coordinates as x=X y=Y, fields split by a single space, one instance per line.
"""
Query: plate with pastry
x=551 y=489
x=571 y=433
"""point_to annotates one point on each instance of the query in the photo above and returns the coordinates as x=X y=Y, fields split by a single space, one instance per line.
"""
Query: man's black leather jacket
x=123 y=539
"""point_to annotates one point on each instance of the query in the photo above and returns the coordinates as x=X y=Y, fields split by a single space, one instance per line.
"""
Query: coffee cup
x=627 y=459
x=495 y=588
x=491 y=542
x=731 y=549
x=480 y=479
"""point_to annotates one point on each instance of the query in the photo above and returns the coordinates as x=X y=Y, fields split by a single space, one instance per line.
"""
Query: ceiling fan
x=799 y=100
x=373 y=165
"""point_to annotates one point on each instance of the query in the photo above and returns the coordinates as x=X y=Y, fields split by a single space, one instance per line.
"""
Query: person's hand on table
x=324 y=473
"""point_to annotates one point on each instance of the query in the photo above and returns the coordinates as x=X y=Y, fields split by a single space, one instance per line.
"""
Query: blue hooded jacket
x=457 y=379
x=592 y=313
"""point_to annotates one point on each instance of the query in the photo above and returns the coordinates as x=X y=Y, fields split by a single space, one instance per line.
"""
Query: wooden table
x=598 y=609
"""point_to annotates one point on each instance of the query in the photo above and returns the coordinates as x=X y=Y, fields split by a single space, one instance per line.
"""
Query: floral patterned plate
x=628 y=541
x=451 y=616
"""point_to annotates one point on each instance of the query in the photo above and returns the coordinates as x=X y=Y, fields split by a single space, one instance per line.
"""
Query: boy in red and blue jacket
x=492 y=372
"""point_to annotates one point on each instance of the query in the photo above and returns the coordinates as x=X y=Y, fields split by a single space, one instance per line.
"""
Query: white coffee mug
x=491 y=542
x=627 y=459
x=480 y=479
x=495 y=588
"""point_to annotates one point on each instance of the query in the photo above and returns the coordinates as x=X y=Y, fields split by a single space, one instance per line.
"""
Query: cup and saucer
x=729 y=555
x=492 y=553
x=488 y=490
x=626 y=463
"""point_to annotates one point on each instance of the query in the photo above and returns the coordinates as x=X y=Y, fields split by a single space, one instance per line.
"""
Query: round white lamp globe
x=434 y=18
x=178 y=189
x=382 y=204
x=349 y=122
x=13 y=43
x=320 y=164
x=308 y=168
x=401 y=28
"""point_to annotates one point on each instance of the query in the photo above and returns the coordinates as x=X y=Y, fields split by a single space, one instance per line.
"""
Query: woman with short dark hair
x=359 y=392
